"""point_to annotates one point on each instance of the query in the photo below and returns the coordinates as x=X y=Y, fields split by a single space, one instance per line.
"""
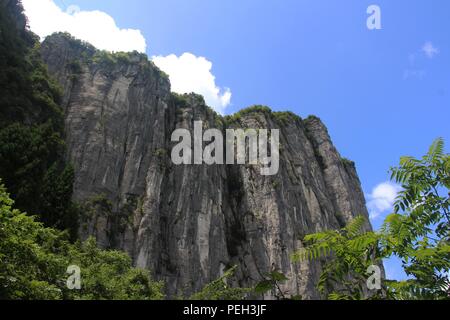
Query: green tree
x=220 y=290
x=32 y=147
x=109 y=275
x=34 y=261
x=418 y=232
x=347 y=254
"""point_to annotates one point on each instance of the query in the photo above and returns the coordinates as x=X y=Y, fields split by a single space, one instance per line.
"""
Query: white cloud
x=382 y=199
x=430 y=50
x=189 y=73
x=95 y=27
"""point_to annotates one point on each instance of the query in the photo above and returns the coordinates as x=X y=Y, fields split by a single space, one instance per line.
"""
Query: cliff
x=189 y=223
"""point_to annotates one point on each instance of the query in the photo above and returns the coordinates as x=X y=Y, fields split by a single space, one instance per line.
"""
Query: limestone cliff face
x=189 y=223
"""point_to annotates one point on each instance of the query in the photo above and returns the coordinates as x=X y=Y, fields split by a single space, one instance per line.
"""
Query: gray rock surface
x=189 y=223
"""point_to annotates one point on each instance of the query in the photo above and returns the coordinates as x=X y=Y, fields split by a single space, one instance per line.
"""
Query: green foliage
x=14 y=75
x=32 y=149
x=347 y=254
x=27 y=94
x=348 y=163
x=110 y=275
x=57 y=209
x=276 y=184
x=253 y=109
x=34 y=261
x=97 y=205
x=111 y=59
x=193 y=100
x=418 y=232
x=75 y=67
x=283 y=118
x=89 y=55
x=188 y=99
x=271 y=283
x=179 y=100
x=31 y=166
x=83 y=47
x=313 y=118
x=220 y=290
x=160 y=153
x=105 y=58
x=286 y=117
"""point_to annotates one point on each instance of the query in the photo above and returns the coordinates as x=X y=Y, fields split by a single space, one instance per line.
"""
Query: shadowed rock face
x=189 y=223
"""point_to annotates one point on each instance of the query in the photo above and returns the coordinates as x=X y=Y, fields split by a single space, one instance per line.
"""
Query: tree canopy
x=32 y=149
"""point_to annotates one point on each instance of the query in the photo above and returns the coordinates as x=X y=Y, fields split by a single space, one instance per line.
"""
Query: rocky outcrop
x=188 y=223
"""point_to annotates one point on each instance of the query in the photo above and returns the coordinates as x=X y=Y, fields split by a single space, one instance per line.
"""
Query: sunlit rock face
x=189 y=223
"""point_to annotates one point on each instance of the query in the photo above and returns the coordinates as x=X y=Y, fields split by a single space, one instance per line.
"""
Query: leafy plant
x=220 y=290
x=271 y=283
x=32 y=148
x=286 y=117
x=418 y=232
x=34 y=261
x=347 y=253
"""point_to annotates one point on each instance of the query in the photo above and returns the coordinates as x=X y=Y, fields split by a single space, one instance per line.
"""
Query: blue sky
x=379 y=92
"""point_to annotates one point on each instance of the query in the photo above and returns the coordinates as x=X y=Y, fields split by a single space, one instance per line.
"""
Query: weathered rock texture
x=189 y=223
